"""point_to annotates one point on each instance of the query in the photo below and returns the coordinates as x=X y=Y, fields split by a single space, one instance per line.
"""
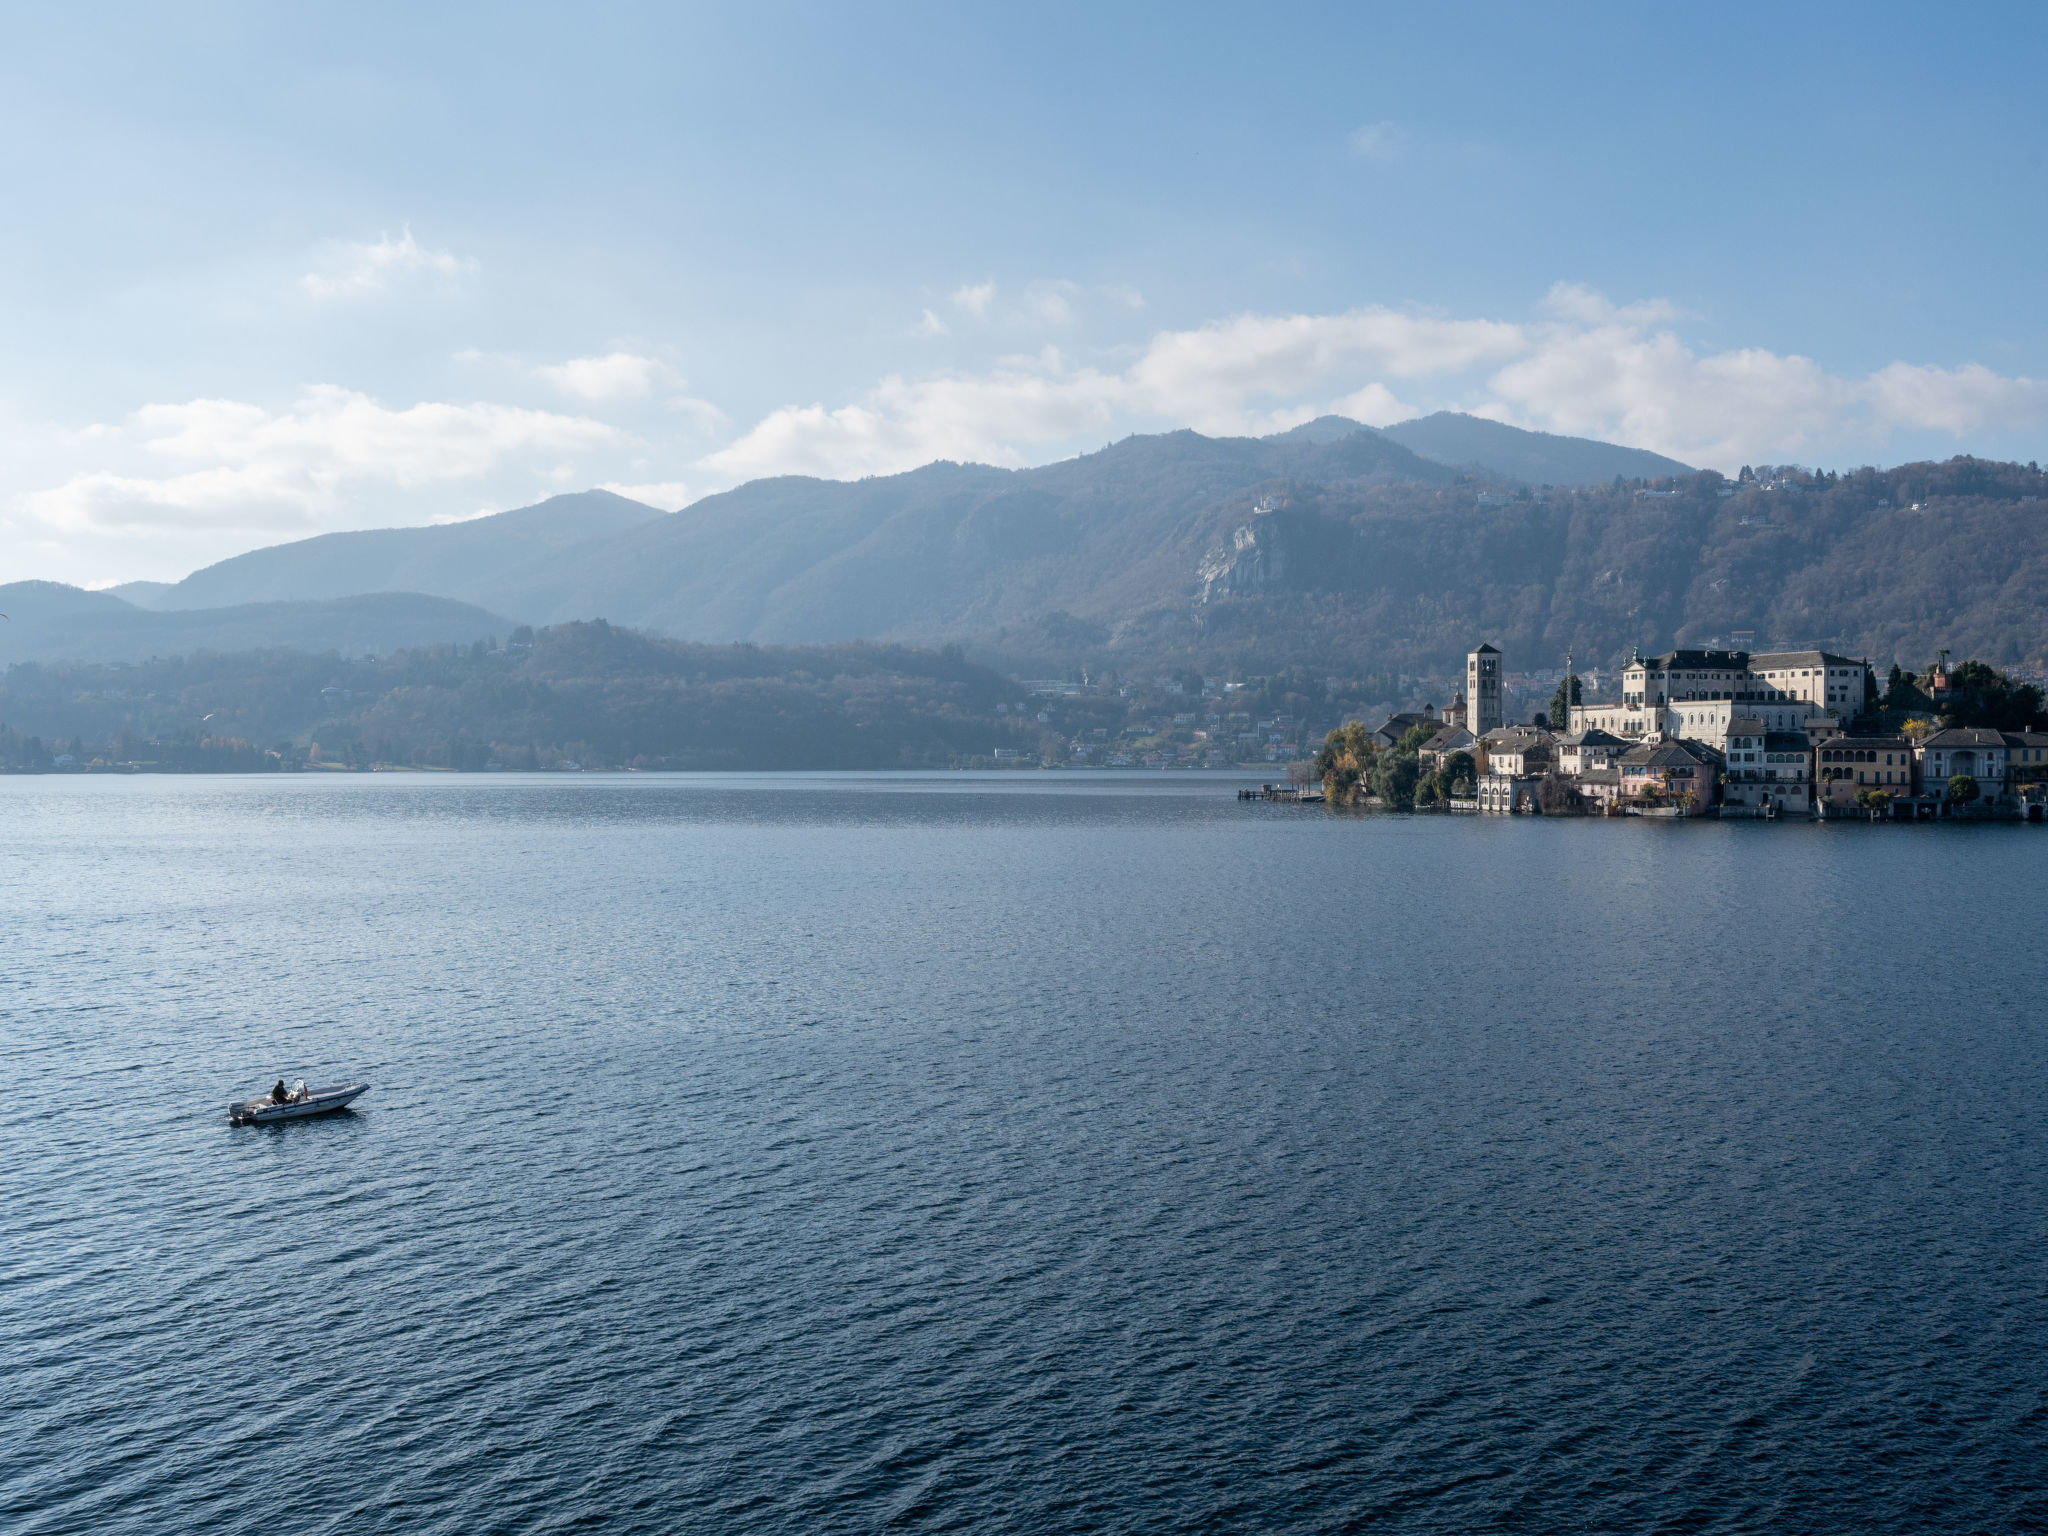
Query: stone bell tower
x=1482 y=691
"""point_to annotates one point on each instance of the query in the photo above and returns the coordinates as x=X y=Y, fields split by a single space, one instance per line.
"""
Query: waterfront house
x=1513 y=760
x=1963 y=751
x=2026 y=757
x=1517 y=751
x=1847 y=766
x=1599 y=787
x=1681 y=773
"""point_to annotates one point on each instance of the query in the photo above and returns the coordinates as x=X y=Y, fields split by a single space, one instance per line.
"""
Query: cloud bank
x=1583 y=366
x=228 y=464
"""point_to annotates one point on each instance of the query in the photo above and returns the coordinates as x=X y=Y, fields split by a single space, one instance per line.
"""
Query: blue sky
x=269 y=271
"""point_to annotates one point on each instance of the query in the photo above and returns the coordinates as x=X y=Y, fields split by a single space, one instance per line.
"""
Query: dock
x=1285 y=794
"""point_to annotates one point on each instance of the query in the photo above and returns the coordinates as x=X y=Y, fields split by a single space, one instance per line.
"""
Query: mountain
x=1534 y=458
x=470 y=561
x=1349 y=555
x=946 y=551
x=49 y=622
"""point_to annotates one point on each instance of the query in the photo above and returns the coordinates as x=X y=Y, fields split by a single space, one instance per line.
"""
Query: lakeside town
x=1722 y=733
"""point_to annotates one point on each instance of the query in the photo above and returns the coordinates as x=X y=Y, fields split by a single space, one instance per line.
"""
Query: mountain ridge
x=1334 y=548
x=50 y=622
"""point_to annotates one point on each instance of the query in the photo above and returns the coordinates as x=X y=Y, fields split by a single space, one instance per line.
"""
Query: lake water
x=1028 y=1153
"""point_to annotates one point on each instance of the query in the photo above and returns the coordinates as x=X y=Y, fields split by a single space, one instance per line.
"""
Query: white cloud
x=1210 y=377
x=1375 y=405
x=900 y=424
x=1378 y=141
x=1584 y=366
x=354 y=268
x=614 y=376
x=665 y=494
x=931 y=325
x=230 y=464
x=975 y=298
x=1051 y=302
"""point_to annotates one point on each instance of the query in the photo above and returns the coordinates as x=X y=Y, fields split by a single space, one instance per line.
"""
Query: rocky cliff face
x=1277 y=549
x=1254 y=561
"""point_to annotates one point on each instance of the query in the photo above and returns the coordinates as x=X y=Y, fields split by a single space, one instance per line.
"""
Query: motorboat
x=298 y=1103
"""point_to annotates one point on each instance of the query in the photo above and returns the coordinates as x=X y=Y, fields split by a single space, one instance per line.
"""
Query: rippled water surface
x=1031 y=1153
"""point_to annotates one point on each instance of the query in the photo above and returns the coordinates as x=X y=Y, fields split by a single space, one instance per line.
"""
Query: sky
x=272 y=271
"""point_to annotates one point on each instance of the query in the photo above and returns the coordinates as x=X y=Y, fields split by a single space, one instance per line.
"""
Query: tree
x=1962 y=789
x=1557 y=795
x=1345 y=761
x=1393 y=779
x=1986 y=697
x=1561 y=703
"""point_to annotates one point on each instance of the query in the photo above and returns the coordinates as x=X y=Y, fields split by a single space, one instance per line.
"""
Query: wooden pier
x=1286 y=794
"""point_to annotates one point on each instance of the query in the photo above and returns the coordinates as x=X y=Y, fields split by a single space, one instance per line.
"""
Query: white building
x=1698 y=694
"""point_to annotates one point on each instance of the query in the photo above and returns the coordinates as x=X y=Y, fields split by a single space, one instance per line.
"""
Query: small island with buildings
x=1694 y=733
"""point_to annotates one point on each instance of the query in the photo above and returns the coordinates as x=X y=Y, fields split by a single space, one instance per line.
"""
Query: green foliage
x=1453 y=781
x=1560 y=712
x=1343 y=764
x=1393 y=780
x=1962 y=789
x=1988 y=698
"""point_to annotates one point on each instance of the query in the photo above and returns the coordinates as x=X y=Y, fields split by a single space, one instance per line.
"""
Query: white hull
x=318 y=1101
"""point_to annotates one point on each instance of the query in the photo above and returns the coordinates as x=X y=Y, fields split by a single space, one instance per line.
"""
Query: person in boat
x=277 y=1094
x=300 y=1092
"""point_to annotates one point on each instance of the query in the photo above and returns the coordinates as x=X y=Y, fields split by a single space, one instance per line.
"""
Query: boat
x=298 y=1104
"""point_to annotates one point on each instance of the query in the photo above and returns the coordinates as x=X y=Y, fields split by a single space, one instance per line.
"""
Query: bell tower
x=1482 y=691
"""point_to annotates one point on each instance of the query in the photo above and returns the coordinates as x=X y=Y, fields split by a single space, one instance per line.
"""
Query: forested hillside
x=592 y=693
x=1890 y=564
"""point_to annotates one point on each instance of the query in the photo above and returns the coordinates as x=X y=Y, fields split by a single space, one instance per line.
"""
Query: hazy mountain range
x=1330 y=546
x=48 y=621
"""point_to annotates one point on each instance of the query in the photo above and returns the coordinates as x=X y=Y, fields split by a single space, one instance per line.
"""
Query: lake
x=1023 y=1152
